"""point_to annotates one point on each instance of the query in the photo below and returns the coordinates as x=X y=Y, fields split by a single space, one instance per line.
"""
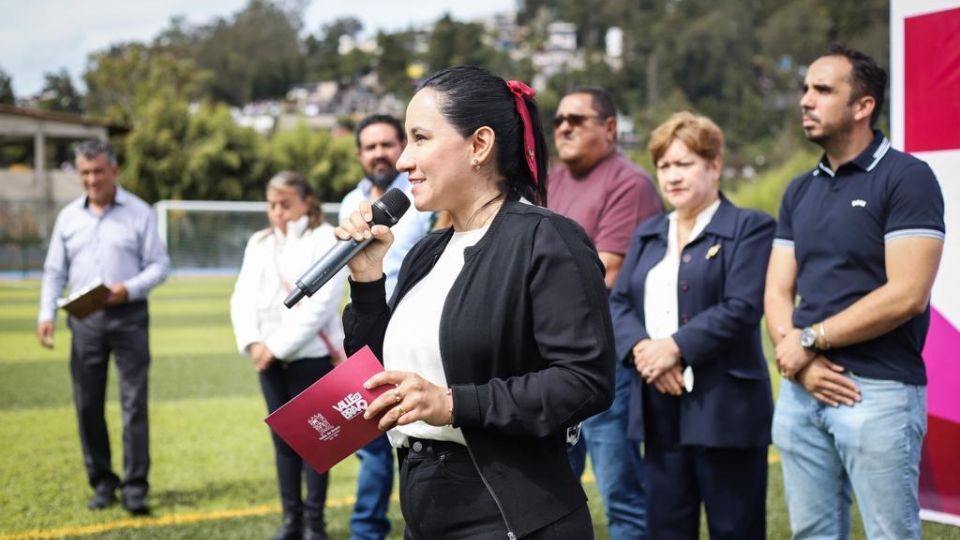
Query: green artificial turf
x=211 y=451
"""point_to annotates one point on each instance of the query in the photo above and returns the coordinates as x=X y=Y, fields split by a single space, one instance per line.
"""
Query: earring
x=476 y=165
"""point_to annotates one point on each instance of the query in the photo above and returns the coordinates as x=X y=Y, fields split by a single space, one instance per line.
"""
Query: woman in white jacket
x=290 y=348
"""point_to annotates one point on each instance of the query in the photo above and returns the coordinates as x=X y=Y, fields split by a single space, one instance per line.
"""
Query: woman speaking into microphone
x=498 y=336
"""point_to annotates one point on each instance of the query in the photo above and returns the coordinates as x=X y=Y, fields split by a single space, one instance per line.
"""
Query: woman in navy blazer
x=686 y=314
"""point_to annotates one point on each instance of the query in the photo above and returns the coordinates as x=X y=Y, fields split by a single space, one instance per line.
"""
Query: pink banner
x=925 y=50
x=932 y=81
x=939 y=467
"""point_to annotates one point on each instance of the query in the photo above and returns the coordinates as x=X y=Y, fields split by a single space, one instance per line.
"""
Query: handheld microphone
x=387 y=210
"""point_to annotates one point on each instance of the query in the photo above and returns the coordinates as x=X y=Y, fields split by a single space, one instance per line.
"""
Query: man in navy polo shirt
x=859 y=241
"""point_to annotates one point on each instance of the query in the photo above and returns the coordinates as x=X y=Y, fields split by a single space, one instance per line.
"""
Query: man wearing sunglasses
x=608 y=196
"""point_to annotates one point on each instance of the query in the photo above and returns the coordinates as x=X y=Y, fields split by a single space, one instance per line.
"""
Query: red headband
x=521 y=91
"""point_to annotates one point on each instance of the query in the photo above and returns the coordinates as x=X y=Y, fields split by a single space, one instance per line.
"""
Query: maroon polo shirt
x=608 y=202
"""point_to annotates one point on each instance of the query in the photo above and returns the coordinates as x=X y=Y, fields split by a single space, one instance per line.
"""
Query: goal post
x=210 y=236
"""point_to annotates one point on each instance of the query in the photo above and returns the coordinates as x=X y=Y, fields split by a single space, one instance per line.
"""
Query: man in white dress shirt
x=108 y=236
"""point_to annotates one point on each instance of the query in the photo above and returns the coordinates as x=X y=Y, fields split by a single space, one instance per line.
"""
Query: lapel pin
x=712 y=252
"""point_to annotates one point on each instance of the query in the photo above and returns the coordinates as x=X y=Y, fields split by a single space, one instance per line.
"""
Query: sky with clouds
x=41 y=36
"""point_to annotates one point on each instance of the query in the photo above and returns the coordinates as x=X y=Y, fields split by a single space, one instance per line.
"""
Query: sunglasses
x=573 y=119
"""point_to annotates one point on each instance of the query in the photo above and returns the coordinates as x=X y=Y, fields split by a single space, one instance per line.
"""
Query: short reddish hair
x=701 y=135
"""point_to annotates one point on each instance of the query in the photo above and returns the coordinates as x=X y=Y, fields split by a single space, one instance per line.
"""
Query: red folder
x=324 y=424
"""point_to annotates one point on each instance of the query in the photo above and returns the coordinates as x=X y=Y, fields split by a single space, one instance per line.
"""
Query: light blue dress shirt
x=411 y=228
x=122 y=245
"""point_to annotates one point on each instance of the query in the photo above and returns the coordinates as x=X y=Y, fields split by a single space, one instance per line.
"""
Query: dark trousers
x=122 y=330
x=731 y=483
x=281 y=382
x=443 y=497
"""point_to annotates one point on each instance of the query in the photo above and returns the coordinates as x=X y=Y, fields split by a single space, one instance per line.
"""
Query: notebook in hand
x=85 y=301
x=324 y=424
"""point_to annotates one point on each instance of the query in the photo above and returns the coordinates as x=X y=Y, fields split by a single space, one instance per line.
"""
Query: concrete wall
x=26 y=185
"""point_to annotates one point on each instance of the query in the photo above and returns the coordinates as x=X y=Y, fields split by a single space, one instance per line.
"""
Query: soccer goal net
x=209 y=236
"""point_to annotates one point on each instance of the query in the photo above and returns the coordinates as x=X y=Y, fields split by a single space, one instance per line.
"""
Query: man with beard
x=380 y=140
x=608 y=196
x=859 y=242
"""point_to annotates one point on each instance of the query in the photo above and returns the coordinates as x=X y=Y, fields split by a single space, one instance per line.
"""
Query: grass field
x=212 y=474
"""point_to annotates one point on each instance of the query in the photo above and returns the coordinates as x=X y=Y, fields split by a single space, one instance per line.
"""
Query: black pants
x=122 y=330
x=281 y=382
x=730 y=482
x=442 y=497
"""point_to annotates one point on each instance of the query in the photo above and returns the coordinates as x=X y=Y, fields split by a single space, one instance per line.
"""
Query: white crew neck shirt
x=412 y=340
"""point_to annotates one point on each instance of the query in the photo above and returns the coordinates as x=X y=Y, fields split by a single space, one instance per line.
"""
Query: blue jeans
x=617 y=465
x=871 y=449
x=374 y=485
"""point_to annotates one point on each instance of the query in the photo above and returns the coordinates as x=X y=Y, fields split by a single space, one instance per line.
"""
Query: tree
x=393 y=63
x=457 y=43
x=123 y=78
x=6 y=88
x=178 y=38
x=59 y=94
x=329 y=162
x=256 y=55
x=323 y=57
x=176 y=154
x=222 y=157
x=738 y=61
x=592 y=18
x=171 y=153
x=156 y=154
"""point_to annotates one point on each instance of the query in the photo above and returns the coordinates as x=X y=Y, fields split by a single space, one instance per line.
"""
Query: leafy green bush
x=766 y=191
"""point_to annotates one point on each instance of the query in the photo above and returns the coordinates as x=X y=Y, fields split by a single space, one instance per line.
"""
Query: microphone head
x=390 y=207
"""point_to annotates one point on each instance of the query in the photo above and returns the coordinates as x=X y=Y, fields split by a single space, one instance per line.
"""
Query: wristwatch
x=808 y=338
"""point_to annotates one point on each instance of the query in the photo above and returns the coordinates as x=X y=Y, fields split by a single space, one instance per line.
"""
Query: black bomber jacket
x=527 y=348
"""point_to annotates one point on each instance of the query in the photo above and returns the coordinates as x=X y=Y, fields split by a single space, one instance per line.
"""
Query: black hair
x=381 y=119
x=472 y=97
x=866 y=77
x=602 y=100
x=92 y=148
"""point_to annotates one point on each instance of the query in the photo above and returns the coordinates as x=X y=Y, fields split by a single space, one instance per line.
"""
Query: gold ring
x=402 y=412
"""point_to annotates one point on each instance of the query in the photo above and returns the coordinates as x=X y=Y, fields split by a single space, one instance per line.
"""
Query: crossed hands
x=820 y=377
x=826 y=382
x=658 y=363
x=791 y=356
x=413 y=398
x=118 y=294
x=261 y=356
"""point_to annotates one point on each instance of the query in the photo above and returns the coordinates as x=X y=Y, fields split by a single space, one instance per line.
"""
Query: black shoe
x=136 y=504
x=101 y=499
x=290 y=529
x=314 y=533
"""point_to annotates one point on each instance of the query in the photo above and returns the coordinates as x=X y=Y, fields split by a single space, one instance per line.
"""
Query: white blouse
x=660 y=311
x=271 y=265
x=412 y=340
